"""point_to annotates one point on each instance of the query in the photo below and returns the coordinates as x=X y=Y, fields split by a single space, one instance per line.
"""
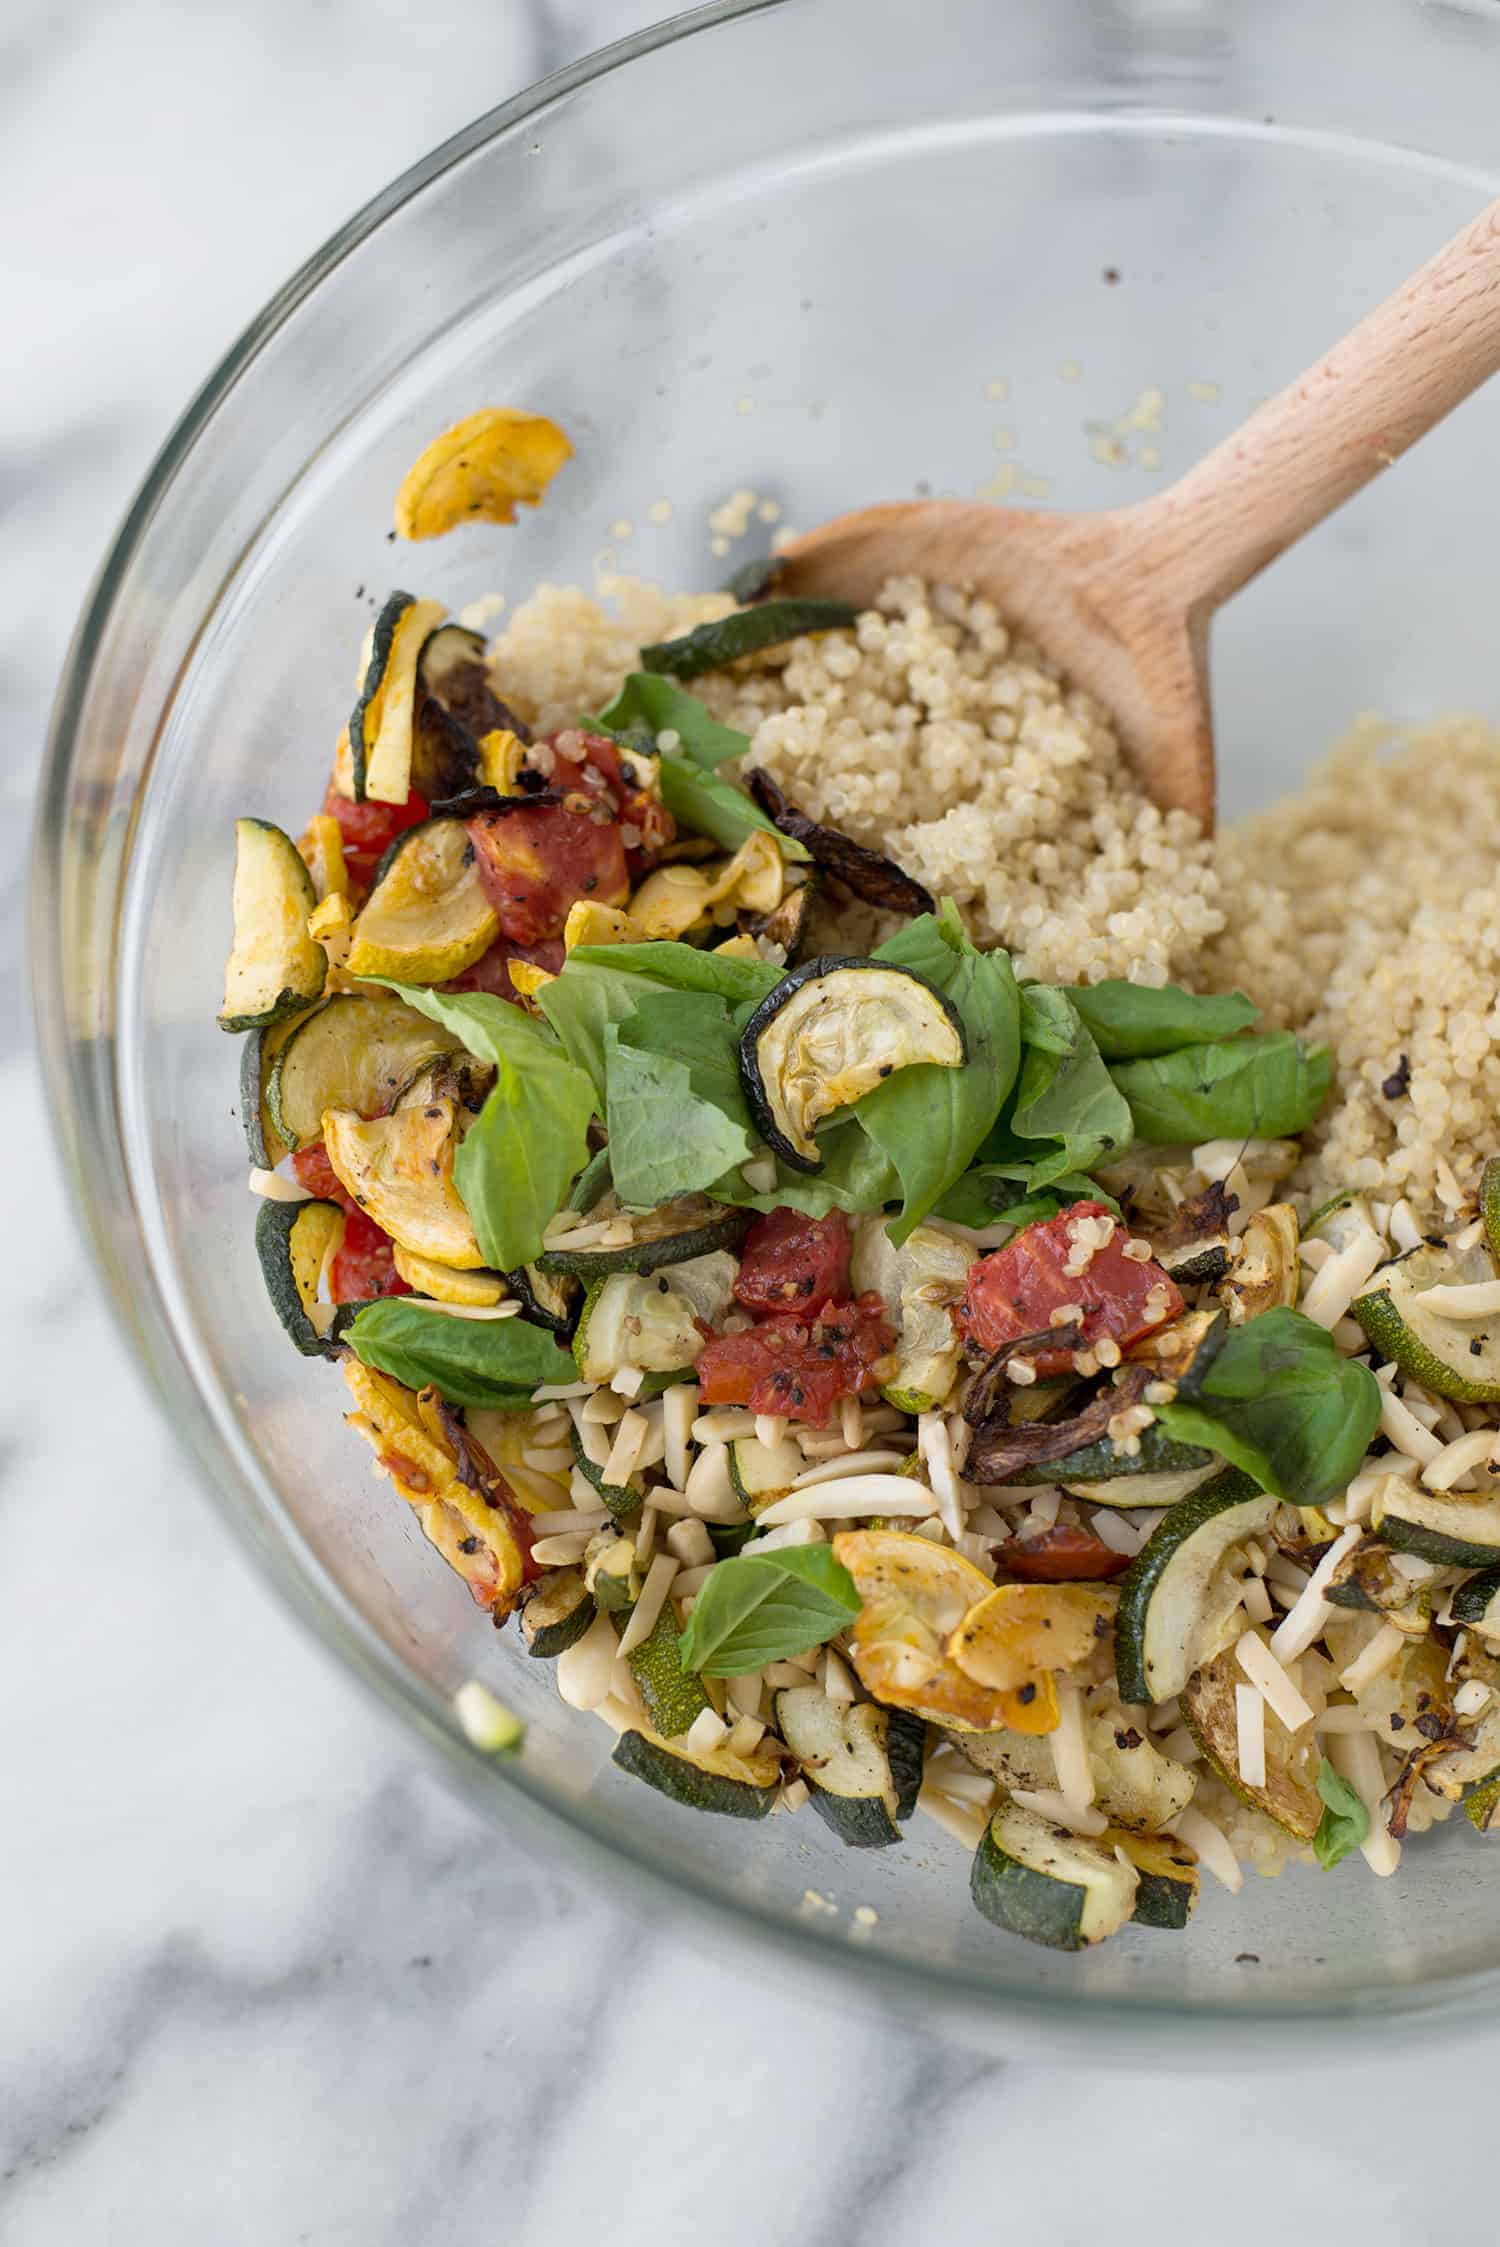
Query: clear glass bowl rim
x=84 y=1119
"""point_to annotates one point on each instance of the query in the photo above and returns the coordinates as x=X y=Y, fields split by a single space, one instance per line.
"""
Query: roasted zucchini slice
x=919 y=1283
x=479 y=470
x=829 y=1033
x=915 y=1596
x=1446 y=1341
x=675 y=1233
x=650 y=1323
x=557 y=1614
x=400 y=1169
x=293 y=1240
x=1137 y=1787
x=381 y=724
x=469 y=1515
x=1476 y=1604
x=263 y=1141
x=359 y=1052
x=1452 y=1531
x=674 y=1698
x=789 y=925
x=1265 y=1273
x=763 y=1472
x=679 y=899
x=472 y=1290
x=275 y=968
x=1037 y=1880
x=548 y=1299
x=843 y=1751
x=734 y=1786
x=1160 y=1473
x=708 y=647
x=1176 y=1599
x=427 y=917
x=1167 y=1878
x=621 y=1498
x=1289 y=1797
x=612 y=1574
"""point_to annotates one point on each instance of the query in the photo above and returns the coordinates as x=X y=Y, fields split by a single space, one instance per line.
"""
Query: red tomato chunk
x=491 y=971
x=794 y=1263
x=537 y=862
x=365 y=1264
x=370 y=829
x=800 y=1369
x=1016 y=1290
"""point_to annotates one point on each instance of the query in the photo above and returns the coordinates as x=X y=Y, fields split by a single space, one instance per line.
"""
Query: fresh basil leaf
x=496 y=1362
x=696 y=1028
x=763 y=1607
x=649 y=701
x=714 y=807
x=923 y=947
x=519 y=1157
x=856 y=1177
x=929 y=1121
x=489 y=1026
x=582 y=1002
x=602 y=984
x=663 y=1140
x=1046 y=1026
x=1345 y=1823
x=988 y=1195
x=1266 y=1086
x=592 y=1182
x=710 y=646
x=1131 y=1021
x=682 y=967
x=1275 y=1397
x=1065 y=1093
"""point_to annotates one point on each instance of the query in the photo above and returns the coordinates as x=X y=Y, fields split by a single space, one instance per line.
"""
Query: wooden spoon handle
x=1318 y=442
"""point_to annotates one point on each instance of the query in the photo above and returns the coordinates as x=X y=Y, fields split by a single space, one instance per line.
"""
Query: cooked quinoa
x=1363 y=911
x=931 y=732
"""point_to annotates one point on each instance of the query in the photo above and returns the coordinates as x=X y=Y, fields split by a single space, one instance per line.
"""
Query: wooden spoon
x=1122 y=601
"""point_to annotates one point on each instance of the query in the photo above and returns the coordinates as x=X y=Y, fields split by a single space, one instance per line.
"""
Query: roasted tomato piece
x=1063 y=1554
x=646 y=824
x=1018 y=1289
x=537 y=862
x=370 y=829
x=365 y=1264
x=312 y=1170
x=798 y=1368
x=794 y=1263
x=491 y=971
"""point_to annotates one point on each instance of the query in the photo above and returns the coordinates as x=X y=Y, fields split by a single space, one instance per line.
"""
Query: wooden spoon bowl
x=1123 y=601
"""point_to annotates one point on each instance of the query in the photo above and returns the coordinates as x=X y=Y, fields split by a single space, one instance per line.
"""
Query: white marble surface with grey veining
x=260 y=1980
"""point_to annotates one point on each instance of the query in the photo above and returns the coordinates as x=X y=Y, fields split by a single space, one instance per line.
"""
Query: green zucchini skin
x=906 y=1748
x=274 y=1224
x=645 y=1257
x=557 y=1615
x=752 y=1075
x=710 y=646
x=1471 y=1602
x=381 y=643
x=1040 y=1907
x=263 y=1143
x=302 y=961
x=684 y=1783
x=1167 y=1890
x=1159 y=1454
x=1144 y=1578
x=674 y=1697
x=522 y=1284
x=1434 y=1544
x=620 y=1497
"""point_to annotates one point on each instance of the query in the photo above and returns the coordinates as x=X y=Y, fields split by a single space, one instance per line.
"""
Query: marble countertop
x=259 y=1982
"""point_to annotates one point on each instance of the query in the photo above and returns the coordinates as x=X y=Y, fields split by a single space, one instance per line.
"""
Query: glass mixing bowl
x=830 y=252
